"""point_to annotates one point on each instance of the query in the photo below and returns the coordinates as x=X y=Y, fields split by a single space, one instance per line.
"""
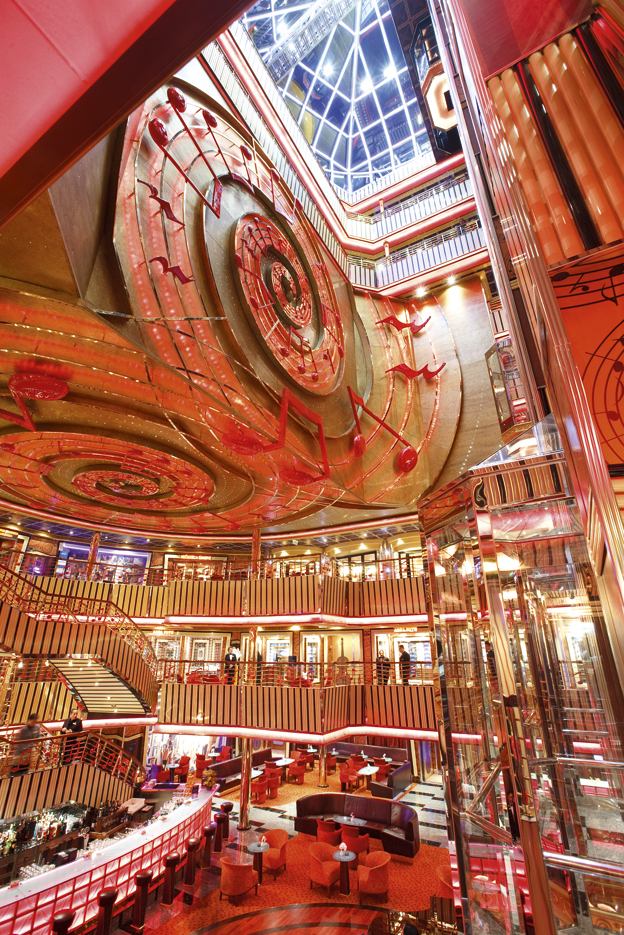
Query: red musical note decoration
x=266 y=295
x=292 y=475
x=276 y=177
x=165 y=205
x=159 y=133
x=177 y=272
x=246 y=154
x=407 y=458
x=400 y=325
x=32 y=386
x=410 y=374
x=326 y=310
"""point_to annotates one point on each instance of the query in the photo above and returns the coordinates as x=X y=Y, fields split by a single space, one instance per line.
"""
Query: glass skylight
x=341 y=69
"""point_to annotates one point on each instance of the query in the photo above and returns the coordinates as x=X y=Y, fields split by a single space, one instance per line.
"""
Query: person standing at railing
x=229 y=669
x=26 y=743
x=71 y=725
x=383 y=668
x=405 y=664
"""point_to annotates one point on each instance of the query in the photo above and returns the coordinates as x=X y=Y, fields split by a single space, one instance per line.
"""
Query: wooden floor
x=315 y=919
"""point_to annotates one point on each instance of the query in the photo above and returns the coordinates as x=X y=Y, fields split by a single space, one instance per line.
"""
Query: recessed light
x=451 y=280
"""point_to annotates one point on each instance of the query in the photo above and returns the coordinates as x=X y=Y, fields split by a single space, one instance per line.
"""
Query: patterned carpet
x=412 y=883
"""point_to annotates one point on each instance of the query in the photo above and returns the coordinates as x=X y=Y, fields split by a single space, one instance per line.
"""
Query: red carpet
x=412 y=883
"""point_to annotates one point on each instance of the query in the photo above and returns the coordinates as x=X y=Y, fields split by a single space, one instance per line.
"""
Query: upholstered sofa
x=394 y=824
x=397 y=780
x=228 y=772
x=398 y=755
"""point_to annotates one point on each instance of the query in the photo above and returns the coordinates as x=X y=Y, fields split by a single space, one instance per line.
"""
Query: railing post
x=106 y=901
x=62 y=921
x=245 y=787
x=142 y=880
x=171 y=862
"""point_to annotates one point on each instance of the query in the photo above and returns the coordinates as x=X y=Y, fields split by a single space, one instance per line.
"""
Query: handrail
x=424 y=194
x=22 y=594
x=451 y=233
x=573 y=761
x=217 y=568
x=587 y=866
x=314 y=675
x=56 y=750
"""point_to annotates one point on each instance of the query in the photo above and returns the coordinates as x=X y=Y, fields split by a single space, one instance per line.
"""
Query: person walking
x=405 y=664
x=26 y=754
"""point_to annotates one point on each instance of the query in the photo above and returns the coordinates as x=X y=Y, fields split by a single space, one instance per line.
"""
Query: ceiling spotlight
x=336 y=551
x=420 y=292
x=361 y=545
x=389 y=72
x=328 y=70
x=451 y=280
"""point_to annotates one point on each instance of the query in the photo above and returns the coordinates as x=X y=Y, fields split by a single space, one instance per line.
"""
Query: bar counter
x=30 y=906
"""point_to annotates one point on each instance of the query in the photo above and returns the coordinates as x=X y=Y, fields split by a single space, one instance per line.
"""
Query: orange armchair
x=274 y=784
x=324 y=870
x=259 y=789
x=237 y=879
x=373 y=876
x=297 y=771
x=275 y=858
x=330 y=764
x=328 y=837
x=325 y=824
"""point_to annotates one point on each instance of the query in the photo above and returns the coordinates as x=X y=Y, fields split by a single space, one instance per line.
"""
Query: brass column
x=322 y=783
x=93 y=551
x=245 y=786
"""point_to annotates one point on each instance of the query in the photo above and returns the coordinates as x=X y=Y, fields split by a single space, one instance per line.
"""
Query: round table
x=255 y=773
x=258 y=849
x=312 y=750
x=346 y=820
x=368 y=771
x=344 y=858
x=285 y=761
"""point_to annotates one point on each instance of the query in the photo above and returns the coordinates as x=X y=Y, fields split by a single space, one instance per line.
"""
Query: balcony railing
x=423 y=204
x=224 y=569
x=417 y=258
x=314 y=675
x=56 y=750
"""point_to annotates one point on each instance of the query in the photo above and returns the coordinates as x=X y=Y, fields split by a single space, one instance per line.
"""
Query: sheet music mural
x=590 y=294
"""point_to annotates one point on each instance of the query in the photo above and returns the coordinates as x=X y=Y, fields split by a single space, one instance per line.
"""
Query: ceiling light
x=328 y=70
x=366 y=85
x=399 y=542
x=361 y=545
x=295 y=628
x=420 y=292
x=283 y=553
x=389 y=72
x=451 y=280
x=308 y=552
x=336 y=551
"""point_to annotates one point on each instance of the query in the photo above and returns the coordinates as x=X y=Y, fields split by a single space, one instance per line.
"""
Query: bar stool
x=209 y=836
x=171 y=862
x=62 y=921
x=220 y=819
x=226 y=808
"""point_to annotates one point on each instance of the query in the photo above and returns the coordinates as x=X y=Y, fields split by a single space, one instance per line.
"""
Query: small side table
x=258 y=849
x=368 y=771
x=344 y=858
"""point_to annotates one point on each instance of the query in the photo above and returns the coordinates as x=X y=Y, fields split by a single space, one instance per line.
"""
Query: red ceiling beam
x=130 y=62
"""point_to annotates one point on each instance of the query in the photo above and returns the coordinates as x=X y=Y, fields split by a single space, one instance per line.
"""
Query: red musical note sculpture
x=292 y=475
x=158 y=132
x=165 y=205
x=246 y=154
x=275 y=177
x=266 y=295
x=410 y=374
x=408 y=457
x=400 y=325
x=176 y=270
x=32 y=386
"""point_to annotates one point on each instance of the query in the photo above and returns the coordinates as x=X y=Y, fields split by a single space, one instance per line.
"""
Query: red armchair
x=328 y=837
x=356 y=842
x=237 y=879
x=224 y=754
x=297 y=771
x=259 y=789
x=348 y=779
x=324 y=870
x=373 y=876
x=330 y=764
x=275 y=858
x=162 y=775
x=181 y=770
x=274 y=784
